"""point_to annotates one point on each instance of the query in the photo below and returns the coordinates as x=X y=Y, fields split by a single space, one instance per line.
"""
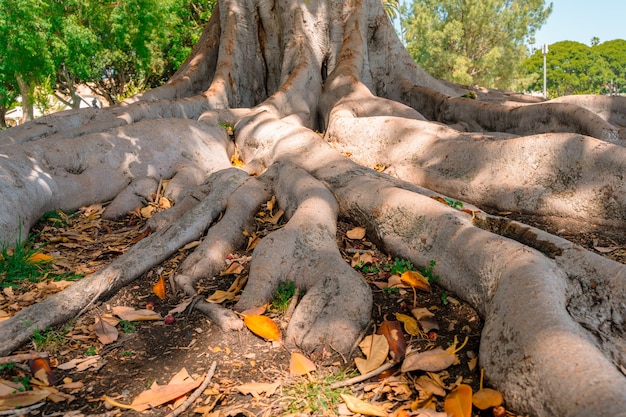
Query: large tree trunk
x=279 y=71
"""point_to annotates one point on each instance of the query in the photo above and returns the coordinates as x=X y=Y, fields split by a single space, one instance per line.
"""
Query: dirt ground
x=149 y=352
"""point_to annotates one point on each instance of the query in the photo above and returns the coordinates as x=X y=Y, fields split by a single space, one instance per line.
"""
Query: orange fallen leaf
x=263 y=326
x=39 y=257
x=40 y=368
x=300 y=364
x=459 y=402
x=392 y=330
x=486 y=398
x=159 y=288
x=157 y=395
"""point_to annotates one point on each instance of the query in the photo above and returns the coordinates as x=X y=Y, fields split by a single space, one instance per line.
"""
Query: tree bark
x=282 y=71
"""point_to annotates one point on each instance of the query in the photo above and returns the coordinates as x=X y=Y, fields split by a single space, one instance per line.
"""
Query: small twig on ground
x=363 y=377
x=207 y=379
x=22 y=357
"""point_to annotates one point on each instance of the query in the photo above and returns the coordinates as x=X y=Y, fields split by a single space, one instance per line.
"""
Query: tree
x=614 y=53
x=280 y=72
x=473 y=42
x=26 y=58
x=572 y=68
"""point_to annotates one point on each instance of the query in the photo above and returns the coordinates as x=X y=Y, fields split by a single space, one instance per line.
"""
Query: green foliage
x=92 y=351
x=575 y=68
x=58 y=217
x=399 y=266
x=127 y=326
x=285 y=291
x=473 y=42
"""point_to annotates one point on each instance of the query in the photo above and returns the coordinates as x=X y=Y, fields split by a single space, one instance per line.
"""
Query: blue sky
x=581 y=20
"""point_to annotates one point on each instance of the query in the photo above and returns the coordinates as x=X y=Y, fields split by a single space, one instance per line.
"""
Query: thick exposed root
x=337 y=302
x=528 y=347
x=150 y=251
x=565 y=175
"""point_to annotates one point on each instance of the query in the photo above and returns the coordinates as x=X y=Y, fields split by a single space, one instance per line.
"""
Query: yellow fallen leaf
x=458 y=403
x=159 y=288
x=357 y=233
x=263 y=326
x=300 y=364
x=410 y=324
x=359 y=406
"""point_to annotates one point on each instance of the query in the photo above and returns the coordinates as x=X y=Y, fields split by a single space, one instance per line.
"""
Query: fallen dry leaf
x=105 y=332
x=375 y=348
x=357 y=233
x=130 y=314
x=234 y=268
x=257 y=388
x=434 y=360
x=359 y=406
x=157 y=395
x=392 y=330
x=486 y=398
x=263 y=326
x=459 y=402
x=23 y=399
x=300 y=364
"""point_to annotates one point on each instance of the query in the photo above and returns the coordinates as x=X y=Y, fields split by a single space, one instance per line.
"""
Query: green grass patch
x=284 y=293
x=314 y=395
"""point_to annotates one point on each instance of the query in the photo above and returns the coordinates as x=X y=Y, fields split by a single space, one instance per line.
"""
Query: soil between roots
x=151 y=351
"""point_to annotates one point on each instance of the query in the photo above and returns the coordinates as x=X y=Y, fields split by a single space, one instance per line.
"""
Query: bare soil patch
x=152 y=351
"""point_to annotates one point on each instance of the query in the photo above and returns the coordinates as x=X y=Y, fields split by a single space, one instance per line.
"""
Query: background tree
x=116 y=48
x=26 y=59
x=614 y=54
x=575 y=68
x=473 y=42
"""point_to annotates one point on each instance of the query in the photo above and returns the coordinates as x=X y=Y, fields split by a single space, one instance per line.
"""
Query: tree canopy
x=575 y=68
x=117 y=48
x=473 y=42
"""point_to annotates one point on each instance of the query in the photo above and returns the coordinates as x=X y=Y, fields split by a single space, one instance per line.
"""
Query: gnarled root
x=337 y=304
